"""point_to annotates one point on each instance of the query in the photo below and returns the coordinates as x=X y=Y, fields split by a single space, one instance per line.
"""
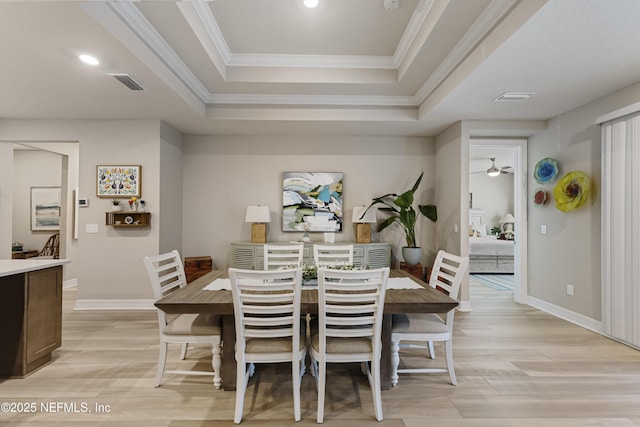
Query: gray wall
x=223 y=175
x=570 y=252
x=493 y=195
x=32 y=168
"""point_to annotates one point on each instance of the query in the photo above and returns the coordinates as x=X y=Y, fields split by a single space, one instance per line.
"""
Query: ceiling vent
x=514 y=96
x=127 y=81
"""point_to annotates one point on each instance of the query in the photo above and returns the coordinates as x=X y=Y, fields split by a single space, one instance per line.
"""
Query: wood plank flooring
x=516 y=367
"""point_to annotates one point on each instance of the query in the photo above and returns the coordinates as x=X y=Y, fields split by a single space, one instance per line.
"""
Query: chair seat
x=272 y=345
x=194 y=324
x=418 y=323
x=342 y=345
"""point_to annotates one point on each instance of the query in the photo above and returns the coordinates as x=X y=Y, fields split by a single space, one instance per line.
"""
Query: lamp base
x=258 y=233
x=363 y=233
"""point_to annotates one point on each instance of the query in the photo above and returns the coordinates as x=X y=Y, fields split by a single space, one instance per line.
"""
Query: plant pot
x=411 y=255
x=117 y=208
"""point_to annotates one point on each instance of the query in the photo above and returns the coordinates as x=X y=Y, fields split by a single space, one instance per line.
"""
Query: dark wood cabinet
x=31 y=315
x=195 y=267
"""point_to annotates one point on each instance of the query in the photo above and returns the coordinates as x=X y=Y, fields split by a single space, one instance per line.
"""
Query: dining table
x=196 y=297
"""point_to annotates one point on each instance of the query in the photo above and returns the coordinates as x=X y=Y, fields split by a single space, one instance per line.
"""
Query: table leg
x=228 y=352
x=385 y=357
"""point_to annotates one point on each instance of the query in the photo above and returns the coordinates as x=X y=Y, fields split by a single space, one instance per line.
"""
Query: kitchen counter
x=30 y=314
x=9 y=267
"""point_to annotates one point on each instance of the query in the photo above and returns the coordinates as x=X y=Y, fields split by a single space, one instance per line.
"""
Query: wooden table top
x=193 y=299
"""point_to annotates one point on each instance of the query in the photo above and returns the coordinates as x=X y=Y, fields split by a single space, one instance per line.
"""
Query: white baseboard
x=569 y=316
x=114 y=304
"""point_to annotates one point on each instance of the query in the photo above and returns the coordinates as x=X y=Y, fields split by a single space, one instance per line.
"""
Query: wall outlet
x=570 y=290
x=543 y=229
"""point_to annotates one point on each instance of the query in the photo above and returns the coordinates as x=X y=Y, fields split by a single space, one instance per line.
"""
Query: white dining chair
x=332 y=255
x=350 y=307
x=166 y=274
x=266 y=305
x=283 y=256
x=446 y=275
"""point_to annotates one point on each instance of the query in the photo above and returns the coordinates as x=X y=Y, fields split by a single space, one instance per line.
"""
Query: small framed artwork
x=45 y=208
x=119 y=181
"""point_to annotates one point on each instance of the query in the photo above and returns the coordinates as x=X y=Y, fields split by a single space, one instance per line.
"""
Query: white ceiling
x=347 y=67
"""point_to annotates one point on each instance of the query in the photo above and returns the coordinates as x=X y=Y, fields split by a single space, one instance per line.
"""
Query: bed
x=490 y=255
x=487 y=254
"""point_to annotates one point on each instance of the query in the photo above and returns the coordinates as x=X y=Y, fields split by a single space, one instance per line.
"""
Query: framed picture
x=119 y=181
x=45 y=208
x=312 y=201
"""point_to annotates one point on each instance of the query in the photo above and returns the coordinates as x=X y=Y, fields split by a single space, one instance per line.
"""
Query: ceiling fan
x=494 y=170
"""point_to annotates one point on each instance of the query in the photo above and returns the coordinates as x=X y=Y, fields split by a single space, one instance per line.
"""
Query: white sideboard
x=368 y=255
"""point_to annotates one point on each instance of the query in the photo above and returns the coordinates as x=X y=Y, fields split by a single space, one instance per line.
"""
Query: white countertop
x=16 y=266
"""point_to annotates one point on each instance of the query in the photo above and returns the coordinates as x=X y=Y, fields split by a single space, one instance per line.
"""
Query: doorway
x=497 y=196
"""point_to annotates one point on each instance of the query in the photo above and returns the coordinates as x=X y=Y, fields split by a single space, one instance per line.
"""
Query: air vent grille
x=126 y=80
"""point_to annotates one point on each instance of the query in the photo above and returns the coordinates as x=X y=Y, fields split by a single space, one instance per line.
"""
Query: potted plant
x=401 y=211
x=116 y=205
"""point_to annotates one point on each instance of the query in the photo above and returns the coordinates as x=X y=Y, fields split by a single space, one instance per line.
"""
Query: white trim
x=624 y=111
x=350 y=100
x=71 y=283
x=114 y=304
x=464 y=306
x=569 y=316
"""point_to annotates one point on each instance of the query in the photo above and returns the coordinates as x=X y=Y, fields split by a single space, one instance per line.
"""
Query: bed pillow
x=480 y=229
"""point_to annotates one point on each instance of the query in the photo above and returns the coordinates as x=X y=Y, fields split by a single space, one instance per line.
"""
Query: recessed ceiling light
x=514 y=96
x=311 y=3
x=88 y=59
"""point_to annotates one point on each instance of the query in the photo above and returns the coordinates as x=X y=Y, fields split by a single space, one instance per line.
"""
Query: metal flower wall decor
x=571 y=191
x=546 y=170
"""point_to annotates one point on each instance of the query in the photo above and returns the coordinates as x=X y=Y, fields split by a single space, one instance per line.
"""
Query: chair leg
x=162 y=360
x=321 y=377
x=242 y=378
x=395 y=362
x=216 y=363
x=448 y=349
x=183 y=352
x=376 y=388
x=432 y=353
x=296 y=381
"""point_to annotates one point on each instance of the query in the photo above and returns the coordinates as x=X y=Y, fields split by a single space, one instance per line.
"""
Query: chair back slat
x=283 y=256
x=266 y=304
x=447 y=273
x=165 y=272
x=332 y=255
x=350 y=302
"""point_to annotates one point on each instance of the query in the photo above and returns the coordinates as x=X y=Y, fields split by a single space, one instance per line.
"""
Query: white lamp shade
x=258 y=214
x=507 y=218
x=369 y=218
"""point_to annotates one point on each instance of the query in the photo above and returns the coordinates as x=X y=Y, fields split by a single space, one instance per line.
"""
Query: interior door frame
x=519 y=146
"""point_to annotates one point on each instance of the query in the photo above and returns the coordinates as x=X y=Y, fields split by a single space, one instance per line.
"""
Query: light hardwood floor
x=516 y=366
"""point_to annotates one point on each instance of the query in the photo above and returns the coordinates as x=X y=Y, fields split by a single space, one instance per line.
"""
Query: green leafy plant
x=115 y=202
x=401 y=211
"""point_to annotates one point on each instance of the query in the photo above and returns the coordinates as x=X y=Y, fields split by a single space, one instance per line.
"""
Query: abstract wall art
x=45 y=208
x=312 y=201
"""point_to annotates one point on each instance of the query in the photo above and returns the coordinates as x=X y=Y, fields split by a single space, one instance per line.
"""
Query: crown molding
x=136 y=21
x=491 y=16
x=324 y=100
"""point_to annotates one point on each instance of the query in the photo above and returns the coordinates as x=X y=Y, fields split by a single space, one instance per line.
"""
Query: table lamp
x=259 y=216
x=363 y=223
x=507 y=222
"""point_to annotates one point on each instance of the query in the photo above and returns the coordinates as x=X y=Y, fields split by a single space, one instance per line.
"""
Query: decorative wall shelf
x=128 y=219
